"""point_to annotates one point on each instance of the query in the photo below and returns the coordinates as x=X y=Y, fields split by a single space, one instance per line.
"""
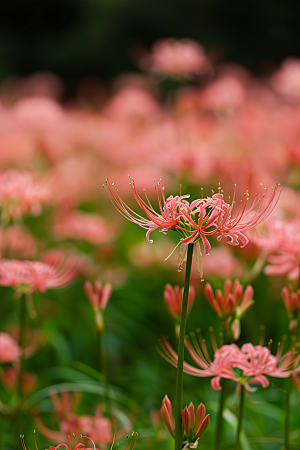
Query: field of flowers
x=172 y=193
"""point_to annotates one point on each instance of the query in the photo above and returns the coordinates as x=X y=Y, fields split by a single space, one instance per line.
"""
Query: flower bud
x=166 y=414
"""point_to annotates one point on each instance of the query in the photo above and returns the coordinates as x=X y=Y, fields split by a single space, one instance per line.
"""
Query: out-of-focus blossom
x=222 y=264
x=282 y=241
x=20 y=193
x=193 y=425
x=9 y=349
x=286 y=81
x=255 y=362
x=173 y=300
x=98 y=299
x=97 y=427
x=176 y=58
x=225 y=95
x=10 y=377
x=291 y=301
x=56 y=270
x=87 y=227
x=17 y=242
x=230 y=305
x=133 y=103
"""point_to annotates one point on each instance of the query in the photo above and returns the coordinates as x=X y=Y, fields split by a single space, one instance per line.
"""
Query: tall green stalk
x=240 y=418
x=103 y=369
x=219 y=424
x=179 y=377
x=22 y=331
x=287 y=414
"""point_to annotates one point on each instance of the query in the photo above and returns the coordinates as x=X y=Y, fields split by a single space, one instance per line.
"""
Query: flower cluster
x=247 y=365
x=193 y=425
x=230 y=305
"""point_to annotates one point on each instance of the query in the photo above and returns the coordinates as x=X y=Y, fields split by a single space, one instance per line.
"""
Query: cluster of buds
x=173 y=300
x=194 y=425
x=292 y=303
x=231 y=305
x=98 y=299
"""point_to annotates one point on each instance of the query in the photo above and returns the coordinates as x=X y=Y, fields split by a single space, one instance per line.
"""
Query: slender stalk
x=219 y=424
x=179 y=377
x=103 y=369
x=287 y=414
x=22 y=331
x=240 y=419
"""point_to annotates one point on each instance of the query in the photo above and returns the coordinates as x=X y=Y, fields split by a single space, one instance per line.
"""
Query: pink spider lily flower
x=97 y=427
x=40 y=275
x=176 y=58
x=87 y=227
x=282 y=242
x=198 y=220
x=291 y=301
x=9 y=349
x=230 y=305
x=258 y=362
x=173 y=300
x=194 y=425
x=20 y=193
x=248 y=365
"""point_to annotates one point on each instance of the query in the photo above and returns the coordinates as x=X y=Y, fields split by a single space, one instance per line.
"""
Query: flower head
x=199 y=219
x=54 y=271
x=176 y=58
x=20 y=193
x=247 y=365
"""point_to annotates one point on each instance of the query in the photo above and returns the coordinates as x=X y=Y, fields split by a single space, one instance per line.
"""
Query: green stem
x=22 y=331
x=103 y=369
x=287 y=414
x=219 y=424
x=179 y=377
x=240 y=419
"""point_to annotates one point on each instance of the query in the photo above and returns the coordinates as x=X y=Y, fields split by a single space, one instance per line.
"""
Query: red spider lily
x=194 y=425
x=96 y=426
x=282 y=242
x=55 y=271
x=19 y=193
x=199 y=219
x=252 y=362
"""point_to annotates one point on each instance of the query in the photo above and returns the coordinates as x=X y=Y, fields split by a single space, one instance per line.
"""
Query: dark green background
x=77 y=38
